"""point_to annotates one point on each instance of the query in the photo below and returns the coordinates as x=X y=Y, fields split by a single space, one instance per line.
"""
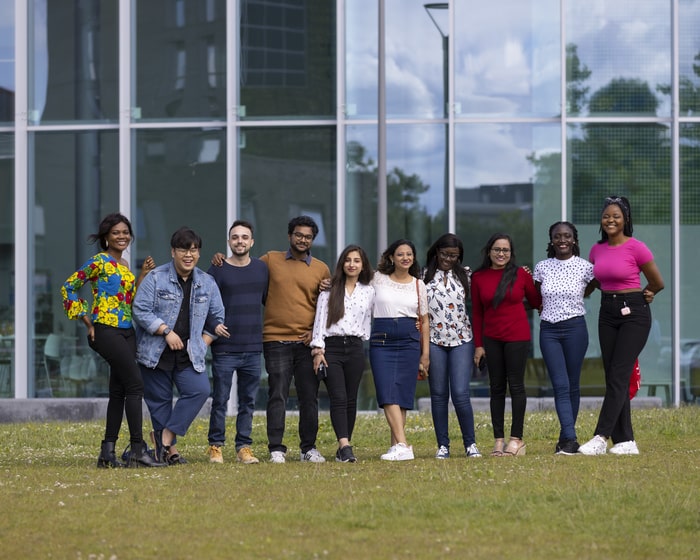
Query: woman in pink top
x=624 y=321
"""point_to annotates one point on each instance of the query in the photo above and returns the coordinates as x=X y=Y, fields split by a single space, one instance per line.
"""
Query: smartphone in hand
x=321 y=372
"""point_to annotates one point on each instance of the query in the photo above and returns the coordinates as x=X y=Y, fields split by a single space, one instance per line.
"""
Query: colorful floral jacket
x=113 y=290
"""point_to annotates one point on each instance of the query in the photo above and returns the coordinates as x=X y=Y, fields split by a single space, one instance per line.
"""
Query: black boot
x=107 y=458
x=139 y=458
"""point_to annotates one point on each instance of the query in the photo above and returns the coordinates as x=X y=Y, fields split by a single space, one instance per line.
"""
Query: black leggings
x=506 y=362
x=346 y=363
x=118 y=347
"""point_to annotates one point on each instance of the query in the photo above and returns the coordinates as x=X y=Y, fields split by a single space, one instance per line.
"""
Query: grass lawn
x=56 y=504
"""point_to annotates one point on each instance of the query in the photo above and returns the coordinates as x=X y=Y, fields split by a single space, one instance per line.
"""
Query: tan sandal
x=515 y=447
x=498 y=447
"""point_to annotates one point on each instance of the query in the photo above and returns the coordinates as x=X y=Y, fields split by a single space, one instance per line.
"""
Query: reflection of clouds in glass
x=623 y=39
x=41 y=58
x=478 y=145
x=7 y=49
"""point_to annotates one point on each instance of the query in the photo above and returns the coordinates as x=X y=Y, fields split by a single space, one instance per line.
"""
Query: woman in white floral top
x=451 y=344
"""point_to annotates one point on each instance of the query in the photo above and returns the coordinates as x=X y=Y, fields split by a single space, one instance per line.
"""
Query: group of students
x=314 y=327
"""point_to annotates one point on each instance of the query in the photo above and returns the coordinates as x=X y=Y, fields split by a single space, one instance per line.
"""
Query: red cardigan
x=507 y=322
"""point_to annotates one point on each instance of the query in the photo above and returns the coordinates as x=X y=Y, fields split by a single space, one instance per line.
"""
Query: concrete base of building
x=547 y=403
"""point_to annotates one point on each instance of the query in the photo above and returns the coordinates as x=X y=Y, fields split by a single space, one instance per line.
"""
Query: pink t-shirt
x=618 y=267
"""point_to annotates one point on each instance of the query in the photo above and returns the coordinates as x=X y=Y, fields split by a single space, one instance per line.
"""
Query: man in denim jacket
x=170 y=309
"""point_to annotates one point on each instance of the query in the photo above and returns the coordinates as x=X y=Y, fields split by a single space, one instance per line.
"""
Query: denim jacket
x=158 y=300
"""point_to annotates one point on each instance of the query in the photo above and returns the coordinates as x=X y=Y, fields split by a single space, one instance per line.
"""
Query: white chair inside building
x=78 y=370
x=53 y=350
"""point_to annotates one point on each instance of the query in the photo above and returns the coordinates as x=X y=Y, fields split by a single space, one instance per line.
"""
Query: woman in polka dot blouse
x=562 y=280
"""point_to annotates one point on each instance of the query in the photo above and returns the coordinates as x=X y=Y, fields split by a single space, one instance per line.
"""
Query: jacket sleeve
x=143 y=308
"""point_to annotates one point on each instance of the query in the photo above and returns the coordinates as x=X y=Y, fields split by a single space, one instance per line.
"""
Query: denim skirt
x=394 y=354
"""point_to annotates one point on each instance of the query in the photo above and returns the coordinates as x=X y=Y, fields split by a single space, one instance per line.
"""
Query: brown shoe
x=215 y=454
x=245 y=456
x=515 y=448
x=498 y=447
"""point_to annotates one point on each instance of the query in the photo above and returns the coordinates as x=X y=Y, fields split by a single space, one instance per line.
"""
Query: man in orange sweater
x=290 y=309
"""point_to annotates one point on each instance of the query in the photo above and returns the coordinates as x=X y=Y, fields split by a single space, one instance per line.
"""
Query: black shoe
x=175 y=459
x=157 y=439
x=140 y=457
x=568 y=447
x=345 y=455
x=107 y=458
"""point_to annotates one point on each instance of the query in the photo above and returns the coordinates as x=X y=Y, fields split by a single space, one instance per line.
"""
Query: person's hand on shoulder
x=218 y=259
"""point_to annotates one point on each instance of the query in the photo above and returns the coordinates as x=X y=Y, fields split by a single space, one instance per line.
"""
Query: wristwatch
x=167 y=331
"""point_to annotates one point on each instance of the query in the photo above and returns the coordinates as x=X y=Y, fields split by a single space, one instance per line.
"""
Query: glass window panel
x=180 y=61
x=180 y=181
x=7 y=257
x=7 y=61
x=287 y=172
x=274 y=34
x=75 y=185
x=631 y=160
x=689 y=267
x=73 y=51
x=361 y=37
x=522 y=190
x=623 y=50
x=689 y=55
x=361 y=188
x=507 y=58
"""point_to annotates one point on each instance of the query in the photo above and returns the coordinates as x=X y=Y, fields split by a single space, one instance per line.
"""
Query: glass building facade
x=380 y=118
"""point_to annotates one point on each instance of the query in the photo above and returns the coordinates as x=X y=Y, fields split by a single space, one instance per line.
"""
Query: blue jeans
x=193 y=388
x=451 y=370
x=247 y=368
x=282 y=362
x=564 y=346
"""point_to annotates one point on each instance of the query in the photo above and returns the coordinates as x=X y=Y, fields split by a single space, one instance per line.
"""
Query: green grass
x=56 y=504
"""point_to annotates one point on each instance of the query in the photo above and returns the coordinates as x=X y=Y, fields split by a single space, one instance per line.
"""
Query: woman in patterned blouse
x=343 y=321
x=451 y=345
x=110 y=333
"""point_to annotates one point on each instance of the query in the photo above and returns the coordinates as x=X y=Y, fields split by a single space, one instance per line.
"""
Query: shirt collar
x=289 y=256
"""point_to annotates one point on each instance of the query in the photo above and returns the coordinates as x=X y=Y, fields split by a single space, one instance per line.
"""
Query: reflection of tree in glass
x=689 y=101
x=407 y=215
x=629 y=159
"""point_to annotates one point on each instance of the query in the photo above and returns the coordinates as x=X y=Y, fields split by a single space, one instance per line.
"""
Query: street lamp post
x=438 y=13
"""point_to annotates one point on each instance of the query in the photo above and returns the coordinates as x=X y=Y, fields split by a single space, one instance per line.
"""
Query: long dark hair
x=447 y=240
x=576 y=250
x=106 y=225
x=510 y=273
x=386 y=263
x=624 y=205
x=336 y=295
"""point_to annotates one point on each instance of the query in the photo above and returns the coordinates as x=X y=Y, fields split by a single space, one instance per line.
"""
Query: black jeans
x=622 y=338
x=346 y=363
x=118 y=348
x=506 y=362
x=284 y=360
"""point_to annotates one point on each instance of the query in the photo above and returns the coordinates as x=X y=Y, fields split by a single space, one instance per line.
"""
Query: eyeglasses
x=300 y=236
x=194 y=251
x=500 y=250
x=448 y=256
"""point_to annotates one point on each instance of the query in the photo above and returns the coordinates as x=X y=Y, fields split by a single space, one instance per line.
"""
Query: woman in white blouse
x=399 y=344
x=562 y=280
x=343 y=321
x=451 y=345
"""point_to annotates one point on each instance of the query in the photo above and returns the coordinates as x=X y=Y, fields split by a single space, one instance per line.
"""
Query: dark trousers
x=346 y=363
x=506 y=362
x=284 y=361
x=622 y=338
x=118 y=348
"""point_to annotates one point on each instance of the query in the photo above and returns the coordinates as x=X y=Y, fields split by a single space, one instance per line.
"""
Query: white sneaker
x=399 y=452
x=312 y=456
x=442 y=453
x=597 y=446
x=625 y=448
x=472 y=451
x=277 y=457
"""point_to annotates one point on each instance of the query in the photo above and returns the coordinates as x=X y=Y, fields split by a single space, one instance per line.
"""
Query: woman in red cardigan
x=502 y=335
